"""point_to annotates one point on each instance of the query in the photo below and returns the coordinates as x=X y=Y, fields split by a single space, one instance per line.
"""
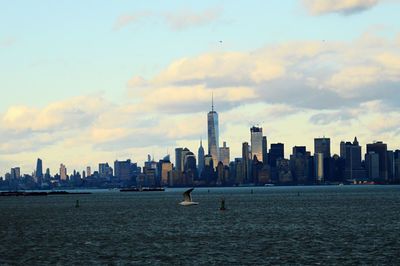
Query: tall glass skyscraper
x=201 y=158
x=39 y=169
x=256 y=143
x=213 y=134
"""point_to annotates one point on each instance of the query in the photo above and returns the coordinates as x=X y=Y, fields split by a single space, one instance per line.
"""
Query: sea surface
x=344 y=225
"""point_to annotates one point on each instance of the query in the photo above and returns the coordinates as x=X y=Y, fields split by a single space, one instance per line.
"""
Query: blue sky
x=108 y=66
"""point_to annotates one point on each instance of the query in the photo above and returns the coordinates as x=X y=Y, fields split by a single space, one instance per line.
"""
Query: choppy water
x=279 y=225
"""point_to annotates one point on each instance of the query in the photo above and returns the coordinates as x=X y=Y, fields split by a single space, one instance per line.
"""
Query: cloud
x=124 y=20
x=177 y=20
x=303 y=74
x=184 y=19
x=292 y=89
x=7 y=42
x=345 y=7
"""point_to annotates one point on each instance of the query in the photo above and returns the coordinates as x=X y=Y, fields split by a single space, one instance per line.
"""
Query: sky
x=93 y=81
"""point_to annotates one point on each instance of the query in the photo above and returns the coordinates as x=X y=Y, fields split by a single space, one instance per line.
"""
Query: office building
x=213 y=134
x=39 y=170
x=200 y=158
x=372 y=165
x=265 y=150
x=319 y=167
x=224 y=154
x=380 y=149
x=88 y=171
x=276 y=151
x=63 y=172
x=323 y=145
x=15 y=173
x=351 y=153
x=246 y=162
x=178 y=159
x=105 y=171
x=126 y=171
x=256 y=142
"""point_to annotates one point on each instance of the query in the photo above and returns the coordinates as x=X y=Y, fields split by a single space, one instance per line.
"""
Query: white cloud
x=183 y=19
x=318 y=7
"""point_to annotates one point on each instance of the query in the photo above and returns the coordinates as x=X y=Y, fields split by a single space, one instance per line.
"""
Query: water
x=278 y=225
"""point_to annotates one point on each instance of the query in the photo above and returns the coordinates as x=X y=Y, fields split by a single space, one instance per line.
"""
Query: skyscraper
x=246 y=162
x=323 y=145
x=15 y=173
x=276 y=152
x=224 y=154
x=88 y=171
x=213 y=134
x=63 y=172
x=380 y=148
x=39 y=169
x=126 y=171
x=256 y=140
x=351 y=153
x=200 y=158
x=178 y=159
x=372 y=165
x=319 y=167
x=265 y=150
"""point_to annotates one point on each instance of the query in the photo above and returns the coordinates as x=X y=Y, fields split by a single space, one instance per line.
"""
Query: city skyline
x=126 y=80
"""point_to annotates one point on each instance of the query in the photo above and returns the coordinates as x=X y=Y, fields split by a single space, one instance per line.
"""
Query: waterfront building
x=323 y=145
x=126 y=171
x=301 y=165
x=351 y=153
x=390 y=166
x=397 y=166
x=319 y=168
x=165 y=168
x=283 y=171
x=105 y=171
x=380 y=148
x=246 y=160
x=372 y=167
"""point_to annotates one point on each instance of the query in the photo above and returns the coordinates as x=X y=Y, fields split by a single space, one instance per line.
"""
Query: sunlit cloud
x=345 y=7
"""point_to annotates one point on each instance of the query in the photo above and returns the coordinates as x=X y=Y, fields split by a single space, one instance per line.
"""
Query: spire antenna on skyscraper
x=212 y=101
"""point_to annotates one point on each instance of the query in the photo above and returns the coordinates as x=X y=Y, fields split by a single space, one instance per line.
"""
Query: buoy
x=77 y=204
x=222 y=208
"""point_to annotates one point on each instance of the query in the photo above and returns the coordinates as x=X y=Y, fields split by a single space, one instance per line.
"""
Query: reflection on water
x=279 y=225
